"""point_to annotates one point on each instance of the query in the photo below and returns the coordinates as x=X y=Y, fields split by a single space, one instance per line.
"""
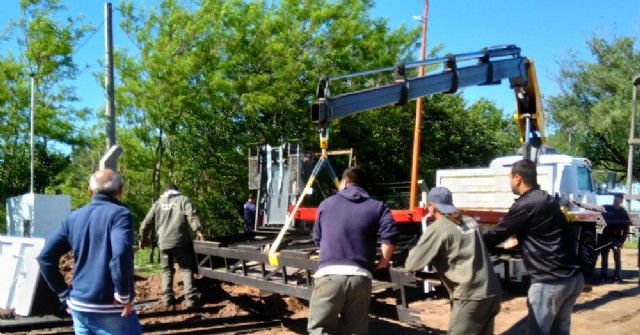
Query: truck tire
x=587 y=255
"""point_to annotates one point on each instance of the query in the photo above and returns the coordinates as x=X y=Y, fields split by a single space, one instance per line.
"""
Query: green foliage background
x=207 y=80
x=592 y=112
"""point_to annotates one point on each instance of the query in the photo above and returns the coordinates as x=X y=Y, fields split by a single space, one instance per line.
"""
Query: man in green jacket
x=173 y=219
x=454 y=246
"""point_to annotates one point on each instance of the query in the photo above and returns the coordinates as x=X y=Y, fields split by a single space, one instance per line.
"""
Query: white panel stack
x=36 y=215
x=485 y=188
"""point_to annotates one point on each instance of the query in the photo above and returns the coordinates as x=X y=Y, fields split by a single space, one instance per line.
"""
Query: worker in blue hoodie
x=347 y=227
x=100 y=235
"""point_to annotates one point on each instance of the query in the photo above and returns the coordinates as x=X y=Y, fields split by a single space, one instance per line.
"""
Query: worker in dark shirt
x=347 y=227
x=249 y=211
x=613 y=235
x=541 y=231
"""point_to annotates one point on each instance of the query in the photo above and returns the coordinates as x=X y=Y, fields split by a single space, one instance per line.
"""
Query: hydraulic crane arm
x=529 y=113
x=492 y=65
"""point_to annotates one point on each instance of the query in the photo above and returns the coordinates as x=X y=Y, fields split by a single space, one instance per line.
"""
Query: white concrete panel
x=487 y=188
x=18 y=210
x=20 y=272
x=36 y=215
x=49 y=210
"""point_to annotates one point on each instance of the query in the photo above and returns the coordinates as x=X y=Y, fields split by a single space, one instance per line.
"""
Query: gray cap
x=443 y=200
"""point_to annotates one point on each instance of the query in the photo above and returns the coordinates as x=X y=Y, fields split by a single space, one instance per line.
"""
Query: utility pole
x=32 y=120
x=632 y=141
x=416 y=133
x=108 y=82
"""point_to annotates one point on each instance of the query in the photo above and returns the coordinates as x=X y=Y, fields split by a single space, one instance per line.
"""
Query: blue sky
x=546 y=30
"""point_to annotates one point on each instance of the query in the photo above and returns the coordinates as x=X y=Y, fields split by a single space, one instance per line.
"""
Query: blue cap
x=443 y=200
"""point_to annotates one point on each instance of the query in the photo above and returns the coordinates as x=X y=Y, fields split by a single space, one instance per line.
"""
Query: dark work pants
x=185 y=259
x=340 y=305
x=604 y=254
x=474 y=317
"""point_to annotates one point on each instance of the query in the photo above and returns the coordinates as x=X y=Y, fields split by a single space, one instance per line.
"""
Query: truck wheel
x=587 y=255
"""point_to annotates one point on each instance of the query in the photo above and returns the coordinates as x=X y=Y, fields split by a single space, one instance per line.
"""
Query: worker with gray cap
x=454 y=246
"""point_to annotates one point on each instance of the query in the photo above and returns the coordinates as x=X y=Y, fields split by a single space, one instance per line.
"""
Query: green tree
x=210 y=79
x=592 y=111
x=46 y=47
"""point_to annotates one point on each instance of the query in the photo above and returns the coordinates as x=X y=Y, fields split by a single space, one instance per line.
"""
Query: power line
x=88 y=39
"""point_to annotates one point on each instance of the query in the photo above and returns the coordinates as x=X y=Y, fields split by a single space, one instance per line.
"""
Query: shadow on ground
x=376 y=327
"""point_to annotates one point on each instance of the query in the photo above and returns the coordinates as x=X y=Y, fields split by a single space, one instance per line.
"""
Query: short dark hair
x=355 y=176
x=618 y=195
x=170 y=187
x=526 y=169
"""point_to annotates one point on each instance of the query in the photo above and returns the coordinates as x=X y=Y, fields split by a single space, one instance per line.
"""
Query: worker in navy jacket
x=613 y=235
x=347 y=227
x=100 y=235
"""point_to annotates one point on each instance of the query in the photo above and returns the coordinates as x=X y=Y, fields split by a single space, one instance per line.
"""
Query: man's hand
x=128 y=307
x=199 y=236
x=510 y=243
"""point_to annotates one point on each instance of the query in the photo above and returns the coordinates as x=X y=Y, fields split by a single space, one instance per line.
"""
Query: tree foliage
x=206 y=81
x=45 y=46
x=205 y=85
x=592 y=112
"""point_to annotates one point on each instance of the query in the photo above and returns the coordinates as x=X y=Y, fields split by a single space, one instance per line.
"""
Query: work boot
x=168 y=302
x=195 y=304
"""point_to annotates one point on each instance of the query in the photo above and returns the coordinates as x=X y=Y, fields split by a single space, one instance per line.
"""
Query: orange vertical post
x=416 y=133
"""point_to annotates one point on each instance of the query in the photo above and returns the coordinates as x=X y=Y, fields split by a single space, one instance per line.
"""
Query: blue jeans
x=85 y=323
x=551 y=304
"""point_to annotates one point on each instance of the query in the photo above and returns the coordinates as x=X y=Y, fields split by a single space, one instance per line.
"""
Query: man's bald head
x=106 y=181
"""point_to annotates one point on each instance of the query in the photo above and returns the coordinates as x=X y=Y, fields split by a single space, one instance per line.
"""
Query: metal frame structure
x=247 y=263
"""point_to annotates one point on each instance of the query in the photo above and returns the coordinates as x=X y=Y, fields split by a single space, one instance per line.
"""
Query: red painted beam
x=399 y=215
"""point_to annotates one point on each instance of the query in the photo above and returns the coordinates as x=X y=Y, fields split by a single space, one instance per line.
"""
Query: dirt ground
x=609 y=306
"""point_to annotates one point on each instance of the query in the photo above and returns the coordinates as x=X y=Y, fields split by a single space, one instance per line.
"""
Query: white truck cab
x=567 y=176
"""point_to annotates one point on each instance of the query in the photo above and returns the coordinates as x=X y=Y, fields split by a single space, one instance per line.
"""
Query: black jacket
x=618 y=222
x=543 y=236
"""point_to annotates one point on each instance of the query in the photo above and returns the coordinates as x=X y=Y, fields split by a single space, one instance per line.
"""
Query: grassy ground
x=142 y=263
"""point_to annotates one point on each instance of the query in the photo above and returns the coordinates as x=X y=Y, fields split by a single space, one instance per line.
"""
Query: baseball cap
x=443 y=200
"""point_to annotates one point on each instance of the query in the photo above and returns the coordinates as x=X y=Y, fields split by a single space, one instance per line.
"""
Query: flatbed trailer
x=245 y=261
